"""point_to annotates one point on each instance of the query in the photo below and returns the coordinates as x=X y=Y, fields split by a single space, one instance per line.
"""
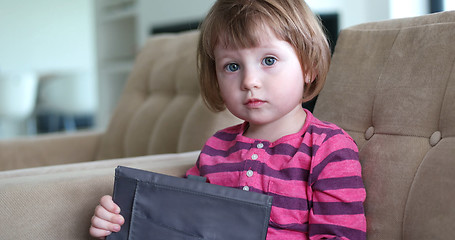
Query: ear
x=308 y=78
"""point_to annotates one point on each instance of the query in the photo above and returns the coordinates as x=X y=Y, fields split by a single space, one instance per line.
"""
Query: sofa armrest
x=57 y=202
x=45 y=150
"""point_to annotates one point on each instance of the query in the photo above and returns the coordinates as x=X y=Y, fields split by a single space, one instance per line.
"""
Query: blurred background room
x=63 y=64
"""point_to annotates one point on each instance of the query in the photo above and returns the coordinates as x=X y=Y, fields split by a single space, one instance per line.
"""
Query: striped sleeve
x=338 y=192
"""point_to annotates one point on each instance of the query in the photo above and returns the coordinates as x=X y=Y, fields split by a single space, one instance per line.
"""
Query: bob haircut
x=242 y=23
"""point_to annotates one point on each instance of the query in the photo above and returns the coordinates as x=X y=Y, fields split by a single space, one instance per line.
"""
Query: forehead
x=270 y=43
x=252 y=37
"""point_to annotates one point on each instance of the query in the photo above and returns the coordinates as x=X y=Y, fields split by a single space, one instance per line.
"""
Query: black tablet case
x=157 y=206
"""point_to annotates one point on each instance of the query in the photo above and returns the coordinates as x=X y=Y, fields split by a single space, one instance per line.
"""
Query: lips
x=254 y=102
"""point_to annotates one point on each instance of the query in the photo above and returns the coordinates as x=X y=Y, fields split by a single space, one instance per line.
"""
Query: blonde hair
x=240 y=24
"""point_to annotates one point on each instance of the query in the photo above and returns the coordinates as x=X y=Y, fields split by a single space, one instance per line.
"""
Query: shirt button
x=249 y=173
x=246 y=188
x=254 y=156
x=260 y=145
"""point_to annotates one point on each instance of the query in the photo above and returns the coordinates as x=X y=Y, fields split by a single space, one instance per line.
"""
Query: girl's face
x=261 y=85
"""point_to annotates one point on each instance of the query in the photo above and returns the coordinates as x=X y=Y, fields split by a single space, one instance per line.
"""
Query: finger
x=102 y=224
x=98 y=233
x=104 y=214
x=107 y=202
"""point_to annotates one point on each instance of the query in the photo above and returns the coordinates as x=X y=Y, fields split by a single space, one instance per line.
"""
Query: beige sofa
x=391 y=86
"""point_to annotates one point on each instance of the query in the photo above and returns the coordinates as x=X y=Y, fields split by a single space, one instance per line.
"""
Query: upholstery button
x=249 y=173
x=246 y=188
x=369 y=133
x=260 y=145
x=435 y=138
x=254 y=156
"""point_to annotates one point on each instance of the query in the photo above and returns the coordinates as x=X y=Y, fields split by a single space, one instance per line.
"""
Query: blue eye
x=232 y=67
x=269 y=61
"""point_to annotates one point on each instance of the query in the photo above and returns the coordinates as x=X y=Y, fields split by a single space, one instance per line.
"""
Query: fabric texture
x=47 y=150
x=161 y=110
x=391 y=86
x=314 y=176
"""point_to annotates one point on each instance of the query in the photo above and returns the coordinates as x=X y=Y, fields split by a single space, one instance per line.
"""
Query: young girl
x=261 y=59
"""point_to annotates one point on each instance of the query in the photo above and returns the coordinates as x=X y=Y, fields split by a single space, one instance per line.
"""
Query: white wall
x=160 y=12
x=408 y=8
x=46 y=35
x=354 y=12
x=449 y=4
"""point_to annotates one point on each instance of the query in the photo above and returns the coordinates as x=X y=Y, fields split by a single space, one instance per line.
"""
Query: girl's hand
x=107 y=218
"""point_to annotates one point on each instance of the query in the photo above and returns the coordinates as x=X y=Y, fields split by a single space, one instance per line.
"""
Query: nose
x=250 y=80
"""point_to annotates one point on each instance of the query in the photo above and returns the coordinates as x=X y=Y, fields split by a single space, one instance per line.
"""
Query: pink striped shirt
x=314 y=177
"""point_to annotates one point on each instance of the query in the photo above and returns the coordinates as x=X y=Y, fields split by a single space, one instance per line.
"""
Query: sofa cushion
x=392 y=87
x=160 y=110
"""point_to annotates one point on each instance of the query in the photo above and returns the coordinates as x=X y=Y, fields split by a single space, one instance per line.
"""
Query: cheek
x=294 y=86
x=226 y=91
x=224 y=95
x=299 y=82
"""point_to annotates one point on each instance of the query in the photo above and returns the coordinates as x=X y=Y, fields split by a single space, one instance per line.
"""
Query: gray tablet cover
x=157 y=206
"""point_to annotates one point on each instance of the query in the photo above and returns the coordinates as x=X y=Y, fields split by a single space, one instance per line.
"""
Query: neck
x=277 y=129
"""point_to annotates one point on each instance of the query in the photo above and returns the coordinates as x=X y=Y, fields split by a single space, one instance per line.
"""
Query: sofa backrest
x=391 y=85
x=160 y=110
